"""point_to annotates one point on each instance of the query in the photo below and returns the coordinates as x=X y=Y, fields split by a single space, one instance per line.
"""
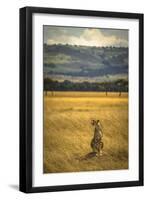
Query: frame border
x=25 y=99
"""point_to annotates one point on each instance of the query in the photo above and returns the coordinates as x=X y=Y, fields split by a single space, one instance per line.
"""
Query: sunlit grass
x=68 y=131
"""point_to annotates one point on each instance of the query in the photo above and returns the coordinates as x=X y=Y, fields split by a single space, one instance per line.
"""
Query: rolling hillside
x=80 y=63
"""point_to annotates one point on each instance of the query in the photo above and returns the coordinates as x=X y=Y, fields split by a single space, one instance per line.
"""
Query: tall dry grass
x=68 y=131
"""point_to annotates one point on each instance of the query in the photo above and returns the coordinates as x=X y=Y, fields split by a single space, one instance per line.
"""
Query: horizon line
x=61 y=44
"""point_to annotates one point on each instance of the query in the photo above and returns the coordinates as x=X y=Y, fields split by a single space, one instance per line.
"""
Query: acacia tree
x=48 y=86
x=107 y=85
x=122 y=86
x=45 y=86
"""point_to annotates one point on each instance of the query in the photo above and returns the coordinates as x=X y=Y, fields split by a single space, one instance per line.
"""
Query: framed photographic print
x=81 y=99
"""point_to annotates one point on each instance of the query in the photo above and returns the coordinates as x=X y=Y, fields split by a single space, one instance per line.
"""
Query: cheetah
x=96 y=142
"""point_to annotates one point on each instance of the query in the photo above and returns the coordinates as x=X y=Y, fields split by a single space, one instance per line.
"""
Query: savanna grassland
x=68 y=131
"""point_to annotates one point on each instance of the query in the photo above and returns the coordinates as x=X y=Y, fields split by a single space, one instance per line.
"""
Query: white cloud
x=89 y=37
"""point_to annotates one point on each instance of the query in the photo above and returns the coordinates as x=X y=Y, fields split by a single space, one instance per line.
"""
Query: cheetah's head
x=95 y=122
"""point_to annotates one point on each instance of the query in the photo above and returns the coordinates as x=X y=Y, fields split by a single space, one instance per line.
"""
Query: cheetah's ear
x=94 y=121
x=97 y=121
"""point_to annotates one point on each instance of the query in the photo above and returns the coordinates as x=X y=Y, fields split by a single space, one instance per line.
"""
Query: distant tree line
x=47 y=46
x=120 y=85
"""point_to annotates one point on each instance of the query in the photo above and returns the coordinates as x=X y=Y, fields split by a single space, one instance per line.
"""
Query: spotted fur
x=96 y=142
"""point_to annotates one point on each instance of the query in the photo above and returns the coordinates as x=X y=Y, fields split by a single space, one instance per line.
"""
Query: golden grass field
x=68 y=131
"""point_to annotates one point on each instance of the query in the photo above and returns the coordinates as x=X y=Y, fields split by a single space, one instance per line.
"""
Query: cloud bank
x=85 y=36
